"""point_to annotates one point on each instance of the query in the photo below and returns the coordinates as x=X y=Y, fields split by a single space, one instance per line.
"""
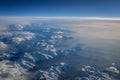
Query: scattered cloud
x=3 y=45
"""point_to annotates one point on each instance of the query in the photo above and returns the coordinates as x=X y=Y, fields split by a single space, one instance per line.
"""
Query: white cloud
x=18 y=39
x=28 y=35
x=29 y=56
x=113 y=69
x=57 y=37
x=52 y=73
x=2 y=45
x=22 y=36
x=20 y=27
x=95 y=74
x=27 y=63
x=9 y=71
x=62 y=63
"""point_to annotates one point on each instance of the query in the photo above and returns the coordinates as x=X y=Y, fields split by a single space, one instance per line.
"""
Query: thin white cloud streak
x=47 y=17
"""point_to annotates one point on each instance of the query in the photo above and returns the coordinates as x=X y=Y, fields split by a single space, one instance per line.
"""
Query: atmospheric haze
x=50 y=47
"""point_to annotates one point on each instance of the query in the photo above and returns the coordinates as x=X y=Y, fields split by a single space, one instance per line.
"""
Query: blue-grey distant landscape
x=59 y=39
x=59 y=48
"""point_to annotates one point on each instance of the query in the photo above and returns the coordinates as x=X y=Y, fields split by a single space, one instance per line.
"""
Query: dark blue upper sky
x=97 y=8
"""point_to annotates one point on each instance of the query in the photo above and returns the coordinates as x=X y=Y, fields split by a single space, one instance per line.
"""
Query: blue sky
x=81 y=8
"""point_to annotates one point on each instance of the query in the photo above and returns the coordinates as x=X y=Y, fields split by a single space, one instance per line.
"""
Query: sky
x=65 y=8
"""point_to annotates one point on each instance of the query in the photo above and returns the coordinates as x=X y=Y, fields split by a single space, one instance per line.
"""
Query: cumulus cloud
x=10 y=71
x=3 y=45
x=91 y=73
x=57 y=37
x=15 y=27
x=28 y=35
x=22 y=36
x=18 y=39
x=53 y=73
x=113 y=69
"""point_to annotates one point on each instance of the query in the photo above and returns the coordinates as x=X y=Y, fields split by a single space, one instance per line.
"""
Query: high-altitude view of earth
x=38 y=48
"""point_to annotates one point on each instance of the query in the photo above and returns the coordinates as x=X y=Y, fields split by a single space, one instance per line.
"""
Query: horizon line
x=63 y=17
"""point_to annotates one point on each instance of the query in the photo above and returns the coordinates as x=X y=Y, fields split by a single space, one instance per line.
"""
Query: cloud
x=18 y=39
x=113 y=69
x=91 y=73
x=22 y=36
x=28 y=35
x=10 y=71
x=3 y=45
x=53 y=73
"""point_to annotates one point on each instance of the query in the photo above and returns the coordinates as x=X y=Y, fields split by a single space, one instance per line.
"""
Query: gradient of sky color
x=87 y=8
